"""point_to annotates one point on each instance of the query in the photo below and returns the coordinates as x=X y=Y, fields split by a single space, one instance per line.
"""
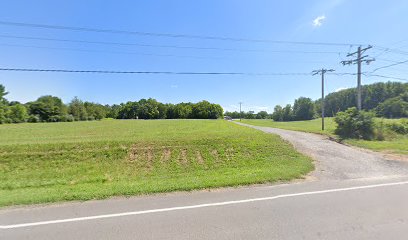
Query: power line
x=166 y=46
x=382 y=76
x=186 y=73
x=104 y=51
x=391 y=65
x=149 y=72
x=391 y=50
x=131 y=53
x=342 y=74
x=170 y=35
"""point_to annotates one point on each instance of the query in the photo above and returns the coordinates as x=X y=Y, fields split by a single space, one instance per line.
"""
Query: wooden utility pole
x=322 y=72
x=360 y=58
x=359 y=78
x=240 y=112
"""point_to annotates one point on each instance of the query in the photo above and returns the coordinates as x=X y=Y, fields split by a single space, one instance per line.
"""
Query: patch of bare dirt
x=394 y=156
x=183 y=157
x=229 y=153
x=133 y=154
x=215 y=154
x=149 y=157
x=165 y=155
x=199 y=158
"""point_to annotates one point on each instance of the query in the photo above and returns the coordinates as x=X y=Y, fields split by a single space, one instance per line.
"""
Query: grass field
x=395 y=144
x=50 y=162
x=313 y=126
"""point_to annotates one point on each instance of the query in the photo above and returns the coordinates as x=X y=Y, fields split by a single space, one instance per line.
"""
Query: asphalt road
x=350 y=202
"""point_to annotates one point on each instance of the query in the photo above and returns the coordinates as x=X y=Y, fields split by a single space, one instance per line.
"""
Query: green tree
x=277 y=114
x=18 y=113
x=3 y=105
x=95 y=111
x=287 y=113
x=373 y=95
x=112 y=111
x=170 y=111
x=262 y=115
x=48 y=108
x=148 y=109
x=183 y=110
x=234 y=114
x=163 y=108
x=207 y=110
x=396 y=107
x=77 y=109
x=130 y=110
x=3 y=92
x=303 y=109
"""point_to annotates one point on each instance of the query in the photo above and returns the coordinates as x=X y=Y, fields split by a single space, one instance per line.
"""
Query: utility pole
x=240 y=112
x=322 y=72
x=360 y=58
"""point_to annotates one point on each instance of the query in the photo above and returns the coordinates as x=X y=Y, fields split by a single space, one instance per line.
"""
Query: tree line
x=52 y=109
x=388 y=100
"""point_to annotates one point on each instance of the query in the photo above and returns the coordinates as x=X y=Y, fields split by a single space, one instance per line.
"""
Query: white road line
x=22 y=225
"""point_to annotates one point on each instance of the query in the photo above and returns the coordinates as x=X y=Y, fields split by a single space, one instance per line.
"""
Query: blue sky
x=380 y=23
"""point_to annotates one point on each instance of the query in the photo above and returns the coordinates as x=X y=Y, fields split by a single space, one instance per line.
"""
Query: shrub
x=67 y=118
x=379 y=131
x=355 y=124
x=399 y=127
x=34 y=119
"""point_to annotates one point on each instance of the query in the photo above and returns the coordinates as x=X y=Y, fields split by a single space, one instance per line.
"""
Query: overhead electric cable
x=149 y=72
x=166 y=46
x=171 y=35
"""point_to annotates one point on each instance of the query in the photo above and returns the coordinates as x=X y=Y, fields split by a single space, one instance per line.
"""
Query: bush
x=54 y=118
x=67 y=118
x=399 y=127
x=355 y=124
x=34 y=119
x=379 y=131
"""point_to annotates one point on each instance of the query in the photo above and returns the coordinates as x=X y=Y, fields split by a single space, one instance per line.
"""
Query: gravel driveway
x=335 y=161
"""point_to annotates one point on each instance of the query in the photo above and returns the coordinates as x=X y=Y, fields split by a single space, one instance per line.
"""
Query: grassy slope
x=313 y=126
x=398 y=144
x=50 y=162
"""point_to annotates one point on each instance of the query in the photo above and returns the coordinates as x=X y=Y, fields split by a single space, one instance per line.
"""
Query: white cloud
x=317 y=22
x=173 y=86
x=339 y=89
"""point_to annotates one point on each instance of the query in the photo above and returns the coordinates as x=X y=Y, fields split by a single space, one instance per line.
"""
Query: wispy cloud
x=173 y=86
x=317 y=22
x=339 y=89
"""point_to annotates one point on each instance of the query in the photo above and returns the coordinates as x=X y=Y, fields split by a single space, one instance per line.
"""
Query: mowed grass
x=50 y=162
x=395 y=144
x=313 y=126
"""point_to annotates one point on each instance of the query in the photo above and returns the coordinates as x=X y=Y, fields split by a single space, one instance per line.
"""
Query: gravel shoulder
x=335 y=161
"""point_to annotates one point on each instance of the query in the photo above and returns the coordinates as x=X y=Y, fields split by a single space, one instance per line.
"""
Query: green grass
x=50 y=162
x=394 y=144
x=398 y=145
x=313 y=126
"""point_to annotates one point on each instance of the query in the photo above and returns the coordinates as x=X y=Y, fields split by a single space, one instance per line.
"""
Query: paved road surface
x=365 y=199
